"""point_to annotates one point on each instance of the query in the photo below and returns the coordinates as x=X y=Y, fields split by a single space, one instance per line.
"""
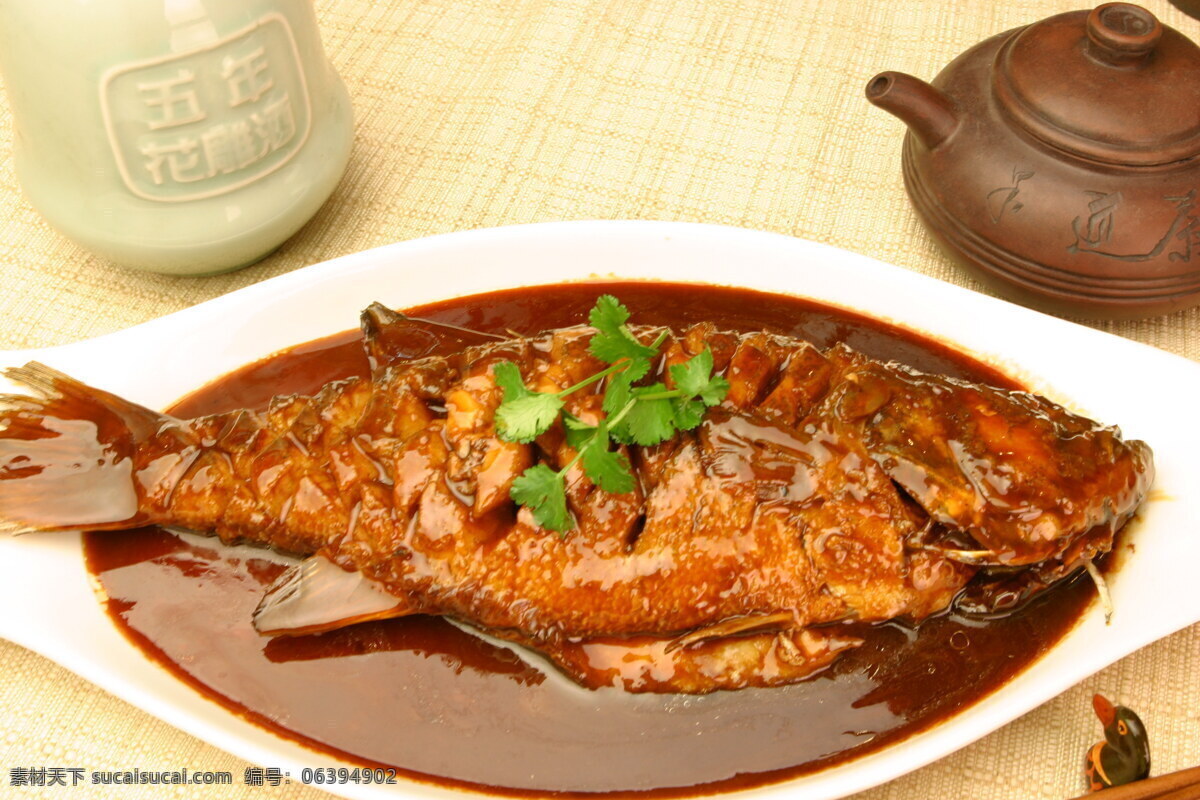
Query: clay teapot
x=1061 y=161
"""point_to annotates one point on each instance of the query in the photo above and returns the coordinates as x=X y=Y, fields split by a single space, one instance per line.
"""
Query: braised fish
x=825 y=488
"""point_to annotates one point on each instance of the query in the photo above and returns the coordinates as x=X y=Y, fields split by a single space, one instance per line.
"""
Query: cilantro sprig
x=641 y=415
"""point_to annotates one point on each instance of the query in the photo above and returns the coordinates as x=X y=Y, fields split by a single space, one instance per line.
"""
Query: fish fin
x=733 y=627
x=755 y=658
x=317 y=595
x=390 y=336
x=50 y=385
x=64 y=454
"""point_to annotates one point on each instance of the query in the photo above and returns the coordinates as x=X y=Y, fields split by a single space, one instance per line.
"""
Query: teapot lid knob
x=1121 y=34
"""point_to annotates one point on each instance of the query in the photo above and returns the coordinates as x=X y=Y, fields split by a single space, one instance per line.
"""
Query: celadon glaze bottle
x=186 y=137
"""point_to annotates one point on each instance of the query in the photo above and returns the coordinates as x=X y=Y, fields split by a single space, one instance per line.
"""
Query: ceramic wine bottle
x=180 y=136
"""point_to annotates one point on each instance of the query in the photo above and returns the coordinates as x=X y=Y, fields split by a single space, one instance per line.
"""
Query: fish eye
x=1122 y=728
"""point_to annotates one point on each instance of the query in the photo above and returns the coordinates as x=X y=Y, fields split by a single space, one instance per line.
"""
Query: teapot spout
x=928 y=112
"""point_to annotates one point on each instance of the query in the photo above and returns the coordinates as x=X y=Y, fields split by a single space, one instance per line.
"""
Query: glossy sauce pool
x=441 y=705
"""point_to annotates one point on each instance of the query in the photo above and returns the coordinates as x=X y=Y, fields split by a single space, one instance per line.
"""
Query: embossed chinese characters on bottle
x=200 y=124
x=190 y=137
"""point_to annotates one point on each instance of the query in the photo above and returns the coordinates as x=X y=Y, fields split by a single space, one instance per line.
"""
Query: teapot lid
x=1112 y=85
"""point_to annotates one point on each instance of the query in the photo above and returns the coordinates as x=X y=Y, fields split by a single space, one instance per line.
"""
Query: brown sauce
x=440 y=705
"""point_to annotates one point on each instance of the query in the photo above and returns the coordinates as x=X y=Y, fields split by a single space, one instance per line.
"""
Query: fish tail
x=66 y=454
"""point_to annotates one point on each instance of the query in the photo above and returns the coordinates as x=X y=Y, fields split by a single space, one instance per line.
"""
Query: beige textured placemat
x=472 y=114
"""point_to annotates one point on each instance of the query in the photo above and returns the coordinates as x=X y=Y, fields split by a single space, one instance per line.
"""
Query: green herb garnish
x=642 y=415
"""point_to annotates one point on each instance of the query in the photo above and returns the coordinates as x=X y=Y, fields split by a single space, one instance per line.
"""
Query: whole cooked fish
x=827 y=487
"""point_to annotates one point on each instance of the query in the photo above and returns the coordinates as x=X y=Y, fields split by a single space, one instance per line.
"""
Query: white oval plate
x=1149 y=392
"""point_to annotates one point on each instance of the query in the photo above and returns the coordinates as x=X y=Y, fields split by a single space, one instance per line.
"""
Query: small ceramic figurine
x=1061 y=161
x=1124 y=755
